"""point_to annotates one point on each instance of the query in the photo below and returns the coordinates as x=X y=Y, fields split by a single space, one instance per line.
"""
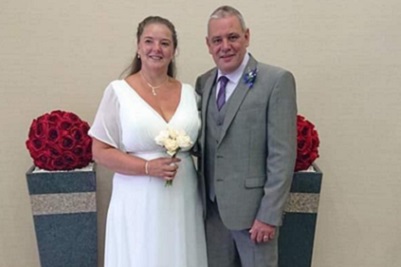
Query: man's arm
x=281 y=147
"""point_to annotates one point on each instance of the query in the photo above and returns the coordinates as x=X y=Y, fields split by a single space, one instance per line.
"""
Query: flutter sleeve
x=107 y=126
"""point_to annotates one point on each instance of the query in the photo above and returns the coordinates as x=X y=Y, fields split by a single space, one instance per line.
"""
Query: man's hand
x=261 y=232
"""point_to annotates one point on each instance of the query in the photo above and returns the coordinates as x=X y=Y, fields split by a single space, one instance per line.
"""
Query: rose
x=64 y=125
x=67 y=142
x=73 y=118
x=36 y=145
x=42 y=159
x=57 y=163
x=307 y=144
x=173 y=140
x=53 y=134
x=173 y=133
x=76 y=133
x=59 y=141
x=171 y=146
x=38 y=129
x=163 y=135
x=184 y=141
x=55 y=116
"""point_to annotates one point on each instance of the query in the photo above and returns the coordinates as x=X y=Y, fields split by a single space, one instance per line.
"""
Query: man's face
x=227 y=43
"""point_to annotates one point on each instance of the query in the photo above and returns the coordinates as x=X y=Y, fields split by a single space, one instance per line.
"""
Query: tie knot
x=223 y=81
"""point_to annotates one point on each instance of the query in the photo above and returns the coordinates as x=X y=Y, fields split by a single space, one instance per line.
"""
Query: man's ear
x=208 y=44
x=247 y=36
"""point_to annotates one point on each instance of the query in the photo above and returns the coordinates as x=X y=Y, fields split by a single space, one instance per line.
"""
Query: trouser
x=231 y=248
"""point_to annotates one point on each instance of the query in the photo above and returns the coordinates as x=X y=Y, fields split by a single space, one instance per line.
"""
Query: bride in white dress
x=149 y=224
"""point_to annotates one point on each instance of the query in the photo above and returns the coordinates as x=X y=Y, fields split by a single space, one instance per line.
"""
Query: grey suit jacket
x=256 y=153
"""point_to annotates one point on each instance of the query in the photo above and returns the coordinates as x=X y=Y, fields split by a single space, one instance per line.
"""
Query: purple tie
x=221 y=96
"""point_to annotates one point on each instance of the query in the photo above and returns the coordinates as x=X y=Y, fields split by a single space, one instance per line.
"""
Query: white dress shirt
x=233 y=78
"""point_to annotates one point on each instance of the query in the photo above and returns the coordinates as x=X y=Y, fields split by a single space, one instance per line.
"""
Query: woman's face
x=155 y=47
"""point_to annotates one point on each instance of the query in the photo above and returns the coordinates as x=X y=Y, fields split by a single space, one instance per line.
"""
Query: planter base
x=65 y=217
x=297 y=233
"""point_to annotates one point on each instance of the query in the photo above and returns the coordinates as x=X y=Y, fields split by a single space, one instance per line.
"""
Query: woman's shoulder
x=117 y=86
x=187 y=87
x=116 y=90
x=188 y=92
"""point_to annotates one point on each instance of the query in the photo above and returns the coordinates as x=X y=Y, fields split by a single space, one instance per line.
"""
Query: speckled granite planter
x=65 y=218
x=298 y=230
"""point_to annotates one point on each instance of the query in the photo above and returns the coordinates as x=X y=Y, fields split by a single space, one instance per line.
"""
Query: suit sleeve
x=281 y=148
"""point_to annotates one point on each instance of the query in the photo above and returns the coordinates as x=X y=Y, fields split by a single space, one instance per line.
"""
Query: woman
x=149 y=224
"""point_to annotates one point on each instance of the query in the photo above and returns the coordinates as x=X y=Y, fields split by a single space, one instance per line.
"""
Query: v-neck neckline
x=150 y=106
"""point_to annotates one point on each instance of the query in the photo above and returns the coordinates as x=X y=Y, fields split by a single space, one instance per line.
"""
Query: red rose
x=53 y=135
x=36 y=144
x=88 y=146
x=307 y=144
x=55 y=151
x=78 y=151
x=42 y=160
x=64 y=125
x=72 y=117
x=70 y=160
x=67 y=142
x=55 y=116
x=59 y=141
x=58 y=163
x=77 y=134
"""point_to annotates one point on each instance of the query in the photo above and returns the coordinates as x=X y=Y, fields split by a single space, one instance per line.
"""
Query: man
x=248 y=147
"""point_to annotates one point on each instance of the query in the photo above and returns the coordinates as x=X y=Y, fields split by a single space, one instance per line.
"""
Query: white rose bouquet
x=173 y=141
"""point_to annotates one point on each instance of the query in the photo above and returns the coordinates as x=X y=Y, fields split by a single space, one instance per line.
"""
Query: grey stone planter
x=65 y=217
x=298 y=230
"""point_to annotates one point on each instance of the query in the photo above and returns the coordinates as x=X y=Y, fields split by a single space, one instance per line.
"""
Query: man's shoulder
x=273 y=72
x=271 y=68
x=201 y=80
x=206 y=74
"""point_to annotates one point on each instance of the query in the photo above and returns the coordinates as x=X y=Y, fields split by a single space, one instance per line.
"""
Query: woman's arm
x=123 y=163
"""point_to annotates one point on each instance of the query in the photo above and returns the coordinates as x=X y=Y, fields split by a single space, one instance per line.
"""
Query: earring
x=139 y=57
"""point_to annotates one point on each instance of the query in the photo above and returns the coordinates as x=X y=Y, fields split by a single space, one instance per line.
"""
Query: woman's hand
x=165 y=168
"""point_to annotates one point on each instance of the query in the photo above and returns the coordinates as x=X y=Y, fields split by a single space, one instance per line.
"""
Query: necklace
x=151 y=86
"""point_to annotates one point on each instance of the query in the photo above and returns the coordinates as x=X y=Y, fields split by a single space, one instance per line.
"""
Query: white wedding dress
x=148 y=224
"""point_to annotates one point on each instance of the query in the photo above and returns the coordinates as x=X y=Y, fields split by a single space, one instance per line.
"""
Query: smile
x=227 y=56
x=155 y=57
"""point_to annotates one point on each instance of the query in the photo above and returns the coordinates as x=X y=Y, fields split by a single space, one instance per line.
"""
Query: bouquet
x=173 y=141
x=307 y=144
x=59 y=141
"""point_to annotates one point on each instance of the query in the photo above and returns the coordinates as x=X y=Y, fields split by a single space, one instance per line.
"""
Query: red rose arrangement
x=308 y=142
x=59 y=141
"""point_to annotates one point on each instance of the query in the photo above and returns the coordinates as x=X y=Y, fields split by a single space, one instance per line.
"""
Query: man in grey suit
x=247 y=144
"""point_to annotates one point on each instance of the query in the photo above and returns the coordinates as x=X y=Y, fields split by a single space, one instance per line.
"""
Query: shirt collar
x=236 y=74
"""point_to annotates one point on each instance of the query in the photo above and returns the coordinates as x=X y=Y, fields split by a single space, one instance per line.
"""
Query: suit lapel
x=237 y=98
x=205 y=100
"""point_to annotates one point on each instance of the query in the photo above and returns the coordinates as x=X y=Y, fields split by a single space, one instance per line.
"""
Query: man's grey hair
x=227 y=11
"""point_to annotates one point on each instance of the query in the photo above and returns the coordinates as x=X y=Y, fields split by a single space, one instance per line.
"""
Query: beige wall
x=345 y=55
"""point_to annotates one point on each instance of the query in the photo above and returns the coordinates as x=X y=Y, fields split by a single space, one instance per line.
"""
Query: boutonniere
x=250 y=77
